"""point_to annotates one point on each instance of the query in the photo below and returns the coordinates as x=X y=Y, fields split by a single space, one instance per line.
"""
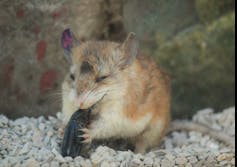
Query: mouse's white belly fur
x=113 y=123
x=68 y=106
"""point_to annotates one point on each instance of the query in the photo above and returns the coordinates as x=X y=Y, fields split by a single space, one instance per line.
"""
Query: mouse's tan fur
x=128 y=92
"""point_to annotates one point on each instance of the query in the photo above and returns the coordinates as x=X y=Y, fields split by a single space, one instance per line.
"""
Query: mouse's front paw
x=86 y=136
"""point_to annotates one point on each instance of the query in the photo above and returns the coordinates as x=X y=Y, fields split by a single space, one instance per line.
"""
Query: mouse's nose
x=79 y=102
x=81 y=105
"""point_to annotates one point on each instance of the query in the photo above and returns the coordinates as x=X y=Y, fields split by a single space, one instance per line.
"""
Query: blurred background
x=193 y=40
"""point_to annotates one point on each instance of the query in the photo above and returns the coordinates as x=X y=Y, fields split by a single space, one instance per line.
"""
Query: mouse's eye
x=99 y=79
x=72 y=76
x=86 y=68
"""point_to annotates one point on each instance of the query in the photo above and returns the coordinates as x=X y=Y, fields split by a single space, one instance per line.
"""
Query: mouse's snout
x=89 y=98
x=85 y=100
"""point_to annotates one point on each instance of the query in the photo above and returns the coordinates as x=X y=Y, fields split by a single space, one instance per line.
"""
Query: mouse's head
x=96 y=67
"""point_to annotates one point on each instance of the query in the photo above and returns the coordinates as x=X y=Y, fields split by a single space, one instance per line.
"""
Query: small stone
x=232 y=161
x=168 y=144
x=114 y=164
x=64 y=165
x=119 y=157
x=54 y=164
x=166 y=163
x=181 y=161
x=136 y=161
x=202 y=155
x=32 y=163
x=192 y=160
x=21 y=121
x=200 y=163
x=188 y=165
x=60 y=132
x=50 y=133
x=123 y=156
x=96 y=159
x=123 y=163
x=160 y=153
x=45 y=165
x=24 y=128
x=223 y=163
x=105 y=164
x=71 y=164
x=210 y=159
x=52 y=119
x=37 y=136
x=224 y=156
x=212 y=145
x=225 y=150
x=101 y=149
x=25 y=149
x=58 y=156
x=156 y=164
x=151 y=155
x=42 y=126
x=180 y=138
x=138 y=156
x=53 y=143
x=111 y=151
x=3 y=121
x=86 y=163
x=47 y=139
x=170 y=157
x=68 y=159
x=77 y=160
x=148 y=161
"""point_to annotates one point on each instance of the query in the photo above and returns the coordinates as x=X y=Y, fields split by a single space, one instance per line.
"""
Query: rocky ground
x=36 y=142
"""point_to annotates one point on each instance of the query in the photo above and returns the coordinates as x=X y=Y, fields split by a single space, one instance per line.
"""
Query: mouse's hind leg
x=149 y=138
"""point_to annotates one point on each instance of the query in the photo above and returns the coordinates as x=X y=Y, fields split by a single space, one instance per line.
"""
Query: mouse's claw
x=86 y=137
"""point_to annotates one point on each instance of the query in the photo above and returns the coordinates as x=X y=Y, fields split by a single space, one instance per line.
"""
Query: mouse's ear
x=68 y=41
x=130 y=49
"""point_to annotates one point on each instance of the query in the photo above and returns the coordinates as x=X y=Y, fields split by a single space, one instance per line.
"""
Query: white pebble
x=170 y=157
x=32 y=163
x=232 y=161
x=45 y=165
x=168 y=143
x=36 y=141
x=96 y=159
x=167 y=163
x=42 y=126
x=25 y=149
x=86 y=163
x=181 y=161
x=148 y=161
x=58 y=156
x=3 y=121
x=192 y=160
x=105 y=164
x=54 y=164
x=188 y=165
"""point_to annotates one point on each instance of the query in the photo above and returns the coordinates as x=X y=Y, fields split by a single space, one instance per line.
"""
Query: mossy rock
x=202 y=67
x=208 y=10
x=162 y=17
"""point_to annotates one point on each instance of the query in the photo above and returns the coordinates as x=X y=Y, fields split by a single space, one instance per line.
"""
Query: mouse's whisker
x=54 y=101
x=90 y=92
x=54 y=97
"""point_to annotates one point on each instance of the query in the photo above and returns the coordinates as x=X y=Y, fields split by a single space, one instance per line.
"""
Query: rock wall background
x=194 y=40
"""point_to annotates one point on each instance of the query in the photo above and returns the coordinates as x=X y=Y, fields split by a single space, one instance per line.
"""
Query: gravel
x=36 y=142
